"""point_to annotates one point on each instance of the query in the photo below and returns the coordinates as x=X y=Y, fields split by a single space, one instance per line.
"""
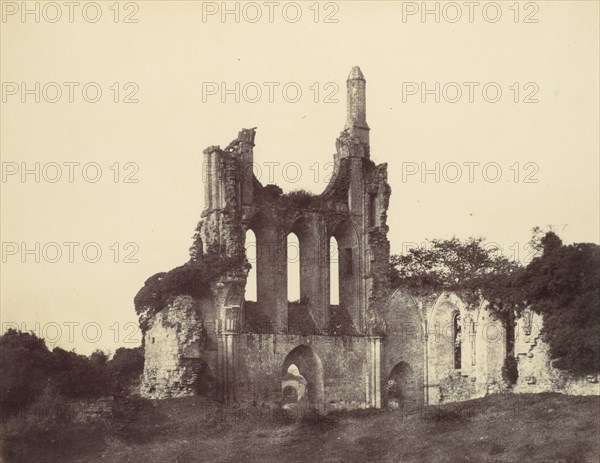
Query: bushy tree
x=77 y=376
x=468 y=267
x=563 y=285
x=126 y=368
x=24 y=360
x=29 y=368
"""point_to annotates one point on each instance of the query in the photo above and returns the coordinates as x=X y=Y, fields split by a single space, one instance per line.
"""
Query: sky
x=106 y=109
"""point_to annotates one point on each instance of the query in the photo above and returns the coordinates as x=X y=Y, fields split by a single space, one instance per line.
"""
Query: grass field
x=500 y=428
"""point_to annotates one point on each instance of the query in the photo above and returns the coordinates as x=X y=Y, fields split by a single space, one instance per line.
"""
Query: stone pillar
x=227 y=297
x=280 y=318
x=373 y=373
x=322 y=302
x=226 y=344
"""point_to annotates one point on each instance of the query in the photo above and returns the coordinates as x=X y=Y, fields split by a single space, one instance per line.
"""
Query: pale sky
x=178 y=65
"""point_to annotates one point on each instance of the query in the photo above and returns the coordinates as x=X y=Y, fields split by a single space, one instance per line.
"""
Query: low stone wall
x=260 y=362
x=59 y=410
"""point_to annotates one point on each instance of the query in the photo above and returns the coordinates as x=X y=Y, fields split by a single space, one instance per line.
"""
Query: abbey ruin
x=367 y=345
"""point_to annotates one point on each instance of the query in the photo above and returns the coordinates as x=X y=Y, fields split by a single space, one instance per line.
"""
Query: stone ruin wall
x=230 y=349
x=536 y=372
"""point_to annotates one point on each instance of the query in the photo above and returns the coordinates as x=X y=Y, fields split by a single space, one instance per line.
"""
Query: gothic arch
x=401 y=385
x=441 y=337
x=310 y=368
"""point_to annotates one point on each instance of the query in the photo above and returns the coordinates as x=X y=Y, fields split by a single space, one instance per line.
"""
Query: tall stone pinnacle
x=356 y=112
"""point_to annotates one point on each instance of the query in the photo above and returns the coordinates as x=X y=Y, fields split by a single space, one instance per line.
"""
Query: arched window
x=334 y=272
x=457 y=338
x=293 y=268
x=251 y=281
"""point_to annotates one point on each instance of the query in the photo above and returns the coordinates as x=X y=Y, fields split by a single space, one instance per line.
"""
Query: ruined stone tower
x=222 y=345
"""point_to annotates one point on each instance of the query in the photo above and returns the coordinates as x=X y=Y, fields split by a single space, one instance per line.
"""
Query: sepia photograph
x=300 y=232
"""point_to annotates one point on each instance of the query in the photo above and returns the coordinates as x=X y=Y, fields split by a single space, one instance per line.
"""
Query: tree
x=25 y=360
x=29 y=368
x=468 y=267
x=77 y=376
x=126 y=367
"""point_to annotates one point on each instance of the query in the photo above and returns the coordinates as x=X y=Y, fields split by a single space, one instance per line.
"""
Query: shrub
x=29 y=370
x=79 y=377
x=126 y=367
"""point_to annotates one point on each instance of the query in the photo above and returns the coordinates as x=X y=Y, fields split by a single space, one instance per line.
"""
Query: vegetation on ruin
x=300 y=199
x=562 y=284
x=192 y=279
x=196 y=249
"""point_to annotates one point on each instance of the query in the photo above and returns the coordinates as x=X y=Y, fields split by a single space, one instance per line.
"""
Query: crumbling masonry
x=374 y=347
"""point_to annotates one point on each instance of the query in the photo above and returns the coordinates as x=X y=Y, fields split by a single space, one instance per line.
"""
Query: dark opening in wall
x=456 y=332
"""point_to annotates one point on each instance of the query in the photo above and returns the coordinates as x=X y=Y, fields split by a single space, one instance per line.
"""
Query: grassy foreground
x=501 y=428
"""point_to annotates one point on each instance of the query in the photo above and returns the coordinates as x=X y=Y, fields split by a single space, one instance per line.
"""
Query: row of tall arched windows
x=340 y=263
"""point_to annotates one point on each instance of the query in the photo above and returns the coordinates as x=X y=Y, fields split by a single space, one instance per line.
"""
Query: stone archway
x=400 y=384
x=309 y=368
x=293 y=387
